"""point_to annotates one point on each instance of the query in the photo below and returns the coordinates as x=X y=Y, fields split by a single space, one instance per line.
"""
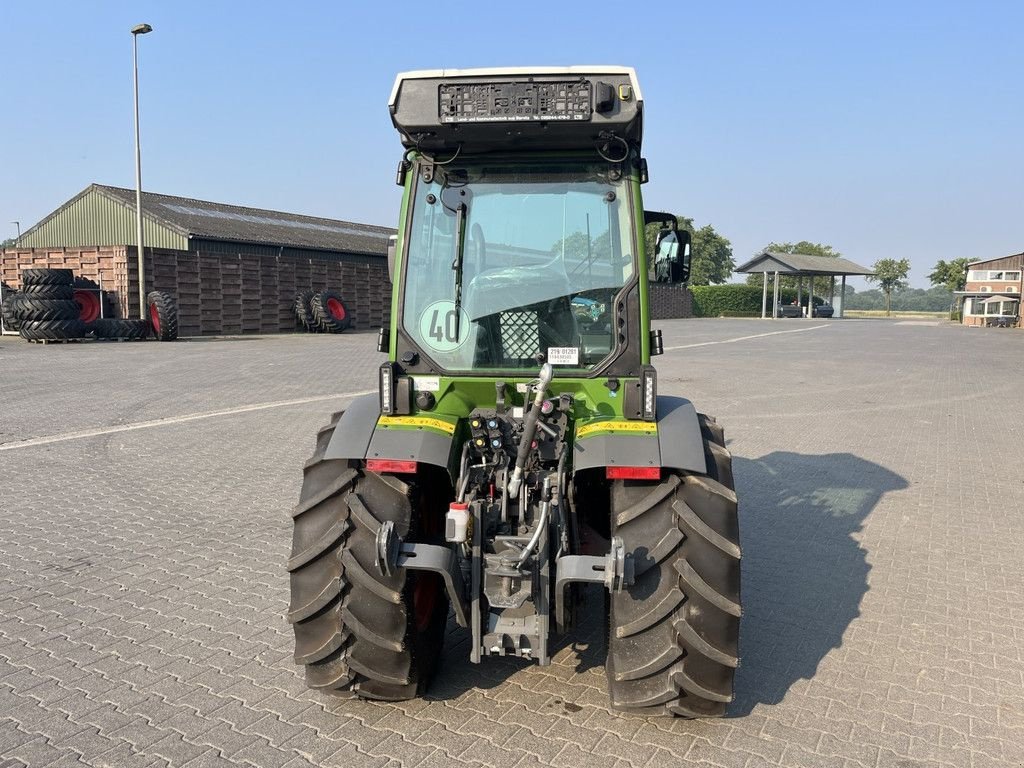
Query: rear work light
x=633 y=473
x=390 y=465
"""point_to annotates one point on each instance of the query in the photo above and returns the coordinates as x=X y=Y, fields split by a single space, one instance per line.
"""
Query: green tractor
x=518 y=448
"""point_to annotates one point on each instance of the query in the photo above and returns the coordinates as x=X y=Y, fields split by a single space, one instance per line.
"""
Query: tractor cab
x=521 y=209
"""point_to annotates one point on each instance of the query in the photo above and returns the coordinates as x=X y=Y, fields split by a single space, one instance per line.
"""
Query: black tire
x=673 y=644
x=50 y=292
x=717 y=456
x=356 y=630
x=115 y=328
x=163 y=315
x=9 y=309
x=303 y=312
x=31 y=308
x=330 y=315
x=52 y=330
x=47 y=277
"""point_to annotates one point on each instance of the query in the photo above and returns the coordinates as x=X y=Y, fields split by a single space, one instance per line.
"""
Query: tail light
x=633 y=473
x=390 y=465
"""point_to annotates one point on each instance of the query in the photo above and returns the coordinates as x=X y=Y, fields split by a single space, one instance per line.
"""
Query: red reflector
x=633 y=473
x=390 y=465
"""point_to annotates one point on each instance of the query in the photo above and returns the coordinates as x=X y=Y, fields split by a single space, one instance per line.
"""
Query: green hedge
x=737 y=300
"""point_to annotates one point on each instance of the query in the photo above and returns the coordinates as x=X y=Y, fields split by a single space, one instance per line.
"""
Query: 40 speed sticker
x=441 y=328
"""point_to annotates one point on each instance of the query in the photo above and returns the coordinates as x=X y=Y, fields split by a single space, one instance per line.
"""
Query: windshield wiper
x=460 y=248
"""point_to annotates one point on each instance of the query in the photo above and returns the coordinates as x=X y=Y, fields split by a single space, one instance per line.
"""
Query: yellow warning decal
x=618 y=427
x=420 y=422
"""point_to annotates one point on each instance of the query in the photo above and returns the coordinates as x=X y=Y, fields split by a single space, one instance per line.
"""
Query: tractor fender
x=357 y=437
x=678 y=443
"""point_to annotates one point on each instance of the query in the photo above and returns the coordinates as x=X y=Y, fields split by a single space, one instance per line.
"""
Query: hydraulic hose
x=530 y=429
x=545 y=507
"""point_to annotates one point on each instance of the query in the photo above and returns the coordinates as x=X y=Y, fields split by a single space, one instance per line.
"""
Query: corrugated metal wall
x=94 y=219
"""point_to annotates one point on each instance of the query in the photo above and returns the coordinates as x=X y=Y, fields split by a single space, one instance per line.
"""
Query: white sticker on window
x=426 y=383
x=521 y=388
x=564 y=355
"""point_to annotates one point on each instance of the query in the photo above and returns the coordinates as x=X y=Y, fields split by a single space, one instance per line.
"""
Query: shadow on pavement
x=804 y=573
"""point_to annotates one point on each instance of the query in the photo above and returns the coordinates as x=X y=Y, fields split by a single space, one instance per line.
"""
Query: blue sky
x=884 y=129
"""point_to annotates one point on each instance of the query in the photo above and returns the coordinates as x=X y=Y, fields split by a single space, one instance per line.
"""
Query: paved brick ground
x=142 y=588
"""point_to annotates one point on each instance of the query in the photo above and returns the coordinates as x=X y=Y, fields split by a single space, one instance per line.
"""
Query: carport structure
x=800 y=266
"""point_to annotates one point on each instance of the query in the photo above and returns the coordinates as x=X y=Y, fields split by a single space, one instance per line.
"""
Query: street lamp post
x=139 y=29
x=18 y=225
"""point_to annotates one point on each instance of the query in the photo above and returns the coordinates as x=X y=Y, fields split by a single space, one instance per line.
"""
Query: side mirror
x=392 y=248
x=672 y=256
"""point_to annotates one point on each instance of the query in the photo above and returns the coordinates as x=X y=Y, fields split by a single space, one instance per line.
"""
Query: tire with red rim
x=330 y=315
x=358 y=630
x=163 y=315
x=87 y=294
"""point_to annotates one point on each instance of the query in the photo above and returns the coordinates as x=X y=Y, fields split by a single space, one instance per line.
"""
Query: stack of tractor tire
x=45 y=310
x=53 y=305
x=321 y=312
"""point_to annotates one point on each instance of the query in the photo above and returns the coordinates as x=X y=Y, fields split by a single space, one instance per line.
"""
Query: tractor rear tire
x=163 y=315
x=9 y=309
x=330 y=315
x=673 y=644
x=119 y=328
x=47 y=291
x=357 y=630
x=47 y=277
x=30 y=308
x=303 y=312
x=51 y=330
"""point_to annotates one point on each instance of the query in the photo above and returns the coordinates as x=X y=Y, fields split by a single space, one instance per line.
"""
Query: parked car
x=794 y=310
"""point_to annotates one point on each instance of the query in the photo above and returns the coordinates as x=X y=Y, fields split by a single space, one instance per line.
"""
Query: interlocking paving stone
x=143 y=591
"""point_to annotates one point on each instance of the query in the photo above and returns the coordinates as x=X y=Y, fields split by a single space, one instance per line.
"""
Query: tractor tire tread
x=39 y=276
x=166 y=308
x=674 y=634
x=353 y=624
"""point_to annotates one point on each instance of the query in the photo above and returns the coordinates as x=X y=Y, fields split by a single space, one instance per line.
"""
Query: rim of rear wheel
x=154 y=318
x=88 y=304
x=336 y=309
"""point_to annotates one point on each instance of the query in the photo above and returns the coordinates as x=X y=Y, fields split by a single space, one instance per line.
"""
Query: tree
x=951 y=275
x=8 y=243
x=711 y=254
x=805 y=247
x=891 y=275
x=712 y=257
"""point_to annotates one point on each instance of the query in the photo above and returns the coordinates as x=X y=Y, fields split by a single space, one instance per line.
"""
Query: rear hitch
x=616 y=571
x=393 y=553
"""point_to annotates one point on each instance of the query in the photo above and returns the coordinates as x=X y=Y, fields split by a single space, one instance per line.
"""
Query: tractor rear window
x=508 y=267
